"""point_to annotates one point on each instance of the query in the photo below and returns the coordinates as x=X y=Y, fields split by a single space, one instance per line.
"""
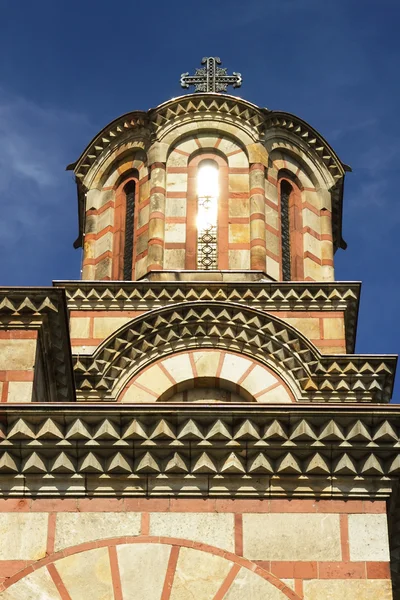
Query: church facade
x=189 y=420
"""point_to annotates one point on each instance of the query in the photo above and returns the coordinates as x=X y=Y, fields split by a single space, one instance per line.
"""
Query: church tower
x=189 y=420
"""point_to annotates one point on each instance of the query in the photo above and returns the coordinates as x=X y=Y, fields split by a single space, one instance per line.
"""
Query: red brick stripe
x=62 y=590
x=227 y=583
x=169 y=577
x=115 y=574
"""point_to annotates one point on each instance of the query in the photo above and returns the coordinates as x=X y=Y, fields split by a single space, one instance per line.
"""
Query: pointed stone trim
x=246 y=452
x=233 y=327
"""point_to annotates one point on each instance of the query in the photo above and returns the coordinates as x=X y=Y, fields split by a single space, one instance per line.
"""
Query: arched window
x=129 y=190
x=207 y=214
x=286 y=191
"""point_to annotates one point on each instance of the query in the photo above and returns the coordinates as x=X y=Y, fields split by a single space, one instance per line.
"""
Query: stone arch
x=108 y=167
x=234 y=377
x=202 y=324
x=210 y=140
x=236 y=131
x=113 y=568
x=312 y=170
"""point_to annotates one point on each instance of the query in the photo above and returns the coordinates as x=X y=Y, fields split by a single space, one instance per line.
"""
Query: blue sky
x=67 y=68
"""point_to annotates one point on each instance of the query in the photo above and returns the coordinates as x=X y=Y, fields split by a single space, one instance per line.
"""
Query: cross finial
x=211 y=77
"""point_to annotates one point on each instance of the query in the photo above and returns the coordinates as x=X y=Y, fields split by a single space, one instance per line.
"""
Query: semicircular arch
x=208 y=375
x=201 y=324
x=120 y=567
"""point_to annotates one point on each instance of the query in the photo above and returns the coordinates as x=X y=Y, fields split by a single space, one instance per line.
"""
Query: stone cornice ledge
x=266 y=295
x=239 y=451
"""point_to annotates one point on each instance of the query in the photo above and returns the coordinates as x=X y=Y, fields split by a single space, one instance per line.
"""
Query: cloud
x=36 y=144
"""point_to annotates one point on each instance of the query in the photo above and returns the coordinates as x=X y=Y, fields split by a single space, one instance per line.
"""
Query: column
x=157 y=216
x=257 y=217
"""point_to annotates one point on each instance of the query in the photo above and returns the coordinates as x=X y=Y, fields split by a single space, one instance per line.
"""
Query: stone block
x=272 y=217
x=227 y=146
x=79 y=327
x=142 y=570
x=206 y=363
x=176 y=182
x=273 y=242
x=105 y=219
x=179 y=367
x=238 y=160
x=257 y=229
x=312 y=269
x=271 y=192
x=17 y=355
x=198 y=575
x=76 y=528
x=35 y=586
x=368 y=538
x=207 y=141
x=136 y=395
x=175 y=207
x=174 y=258
x=189 y=145
x=239 y=233
x=258 y=379
x=292 y=537
x=257 y=153
x=311 y=244
x=103 y=268
x=143 y=217
x=216 y=529
x=141 y=267
x=20 y=391
x=105 y=326
x=252 y=587
x=176 y=159
x=143 y=238
x=275 y=396
x=144 y=191
x=154 y=379
x=239 y=183
x=239 y=259
x=310 y=219
x=333 y=328
x=343 y=589
x=309 y=327
x=158 y=177
x=234 y=366
x=104 y=244
x=273 y=268
x=175 y=233
x=23 y=536
x=87 y=575
x=239 y=207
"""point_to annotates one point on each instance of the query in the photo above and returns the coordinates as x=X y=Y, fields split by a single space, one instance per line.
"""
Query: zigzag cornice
x=255 y=120
x=254 y=451
x=231 y=326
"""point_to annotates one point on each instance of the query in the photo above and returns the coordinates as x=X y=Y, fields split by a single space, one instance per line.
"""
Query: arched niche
x=209 y=375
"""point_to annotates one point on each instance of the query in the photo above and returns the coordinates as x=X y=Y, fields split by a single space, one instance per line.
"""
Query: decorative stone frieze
x=229 y=326
x=271 y=451
x=263 y=295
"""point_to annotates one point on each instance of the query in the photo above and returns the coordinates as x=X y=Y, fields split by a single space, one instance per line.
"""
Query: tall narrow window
x=286 y=190
x=129 y=190
x=207 y=214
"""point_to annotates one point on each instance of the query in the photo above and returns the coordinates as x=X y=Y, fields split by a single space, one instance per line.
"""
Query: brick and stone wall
x=167 y=549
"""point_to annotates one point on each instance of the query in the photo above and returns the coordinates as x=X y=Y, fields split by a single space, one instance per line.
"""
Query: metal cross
x=211 y=78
